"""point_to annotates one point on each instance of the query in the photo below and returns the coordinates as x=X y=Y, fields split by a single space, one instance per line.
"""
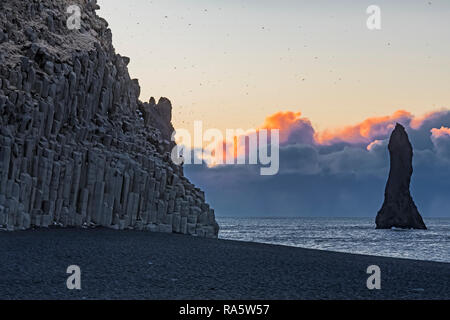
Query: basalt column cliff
x=77 y=147
x=398 y=208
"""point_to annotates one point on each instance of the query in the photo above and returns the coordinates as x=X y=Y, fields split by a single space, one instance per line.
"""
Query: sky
x=230 y=63
x=245 y=63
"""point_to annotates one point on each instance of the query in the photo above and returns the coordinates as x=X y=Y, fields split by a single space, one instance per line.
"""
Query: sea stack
x=399 y=209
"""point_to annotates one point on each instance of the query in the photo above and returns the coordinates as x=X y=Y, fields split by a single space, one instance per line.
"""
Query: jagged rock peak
x=399 y=209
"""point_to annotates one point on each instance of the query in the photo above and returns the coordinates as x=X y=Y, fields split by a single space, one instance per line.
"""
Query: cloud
x=431 y=119
x=340 y=172
x=441 y=141
x=376 y=145
x=293 y=128
x=355 y=161
x=420 y=128
x=299 y=159
x=366 y=131
x=440 y=133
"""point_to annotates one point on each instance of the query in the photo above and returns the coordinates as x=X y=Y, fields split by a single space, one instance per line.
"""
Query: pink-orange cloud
x=293 y=128
x=439 y=133
x=365 y=132
x=281 y=119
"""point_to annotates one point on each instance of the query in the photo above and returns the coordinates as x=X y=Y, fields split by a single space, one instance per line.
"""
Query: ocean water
x=353 y=235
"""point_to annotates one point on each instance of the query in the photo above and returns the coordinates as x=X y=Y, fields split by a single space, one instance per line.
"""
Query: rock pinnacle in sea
x=399 y=209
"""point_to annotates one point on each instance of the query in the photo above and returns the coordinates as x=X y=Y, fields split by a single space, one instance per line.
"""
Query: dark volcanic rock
x=398 y=208
x=77 y=146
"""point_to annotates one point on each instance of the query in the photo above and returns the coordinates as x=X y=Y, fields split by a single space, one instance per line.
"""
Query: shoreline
x=144 y=265
x=352 y=235
x=332 y=251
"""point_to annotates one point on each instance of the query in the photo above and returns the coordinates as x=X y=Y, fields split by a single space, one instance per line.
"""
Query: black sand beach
x=144 y=265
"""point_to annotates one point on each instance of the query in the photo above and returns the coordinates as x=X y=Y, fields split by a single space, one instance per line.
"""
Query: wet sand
x=144 y=265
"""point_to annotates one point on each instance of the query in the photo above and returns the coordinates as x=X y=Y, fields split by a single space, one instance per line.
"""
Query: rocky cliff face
x=77 y=147
x=398 y=208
